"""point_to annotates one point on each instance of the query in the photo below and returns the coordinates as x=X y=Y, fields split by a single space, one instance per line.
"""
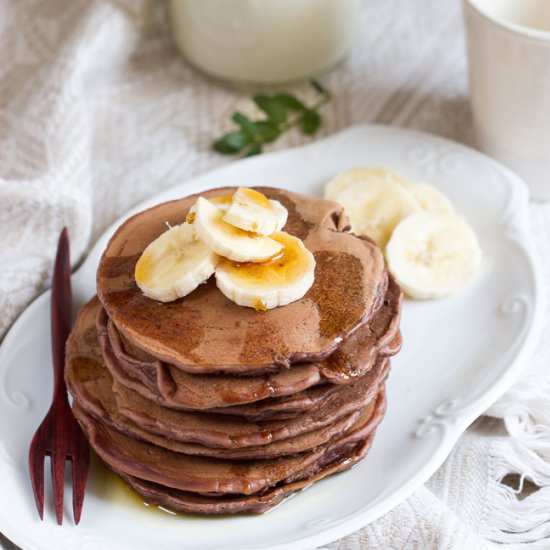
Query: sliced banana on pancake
x=280 y=281
x=375 y=207
x=432 y=254
x=230 y=241
x=174 y=264
x=223 y=202
x=253 y=211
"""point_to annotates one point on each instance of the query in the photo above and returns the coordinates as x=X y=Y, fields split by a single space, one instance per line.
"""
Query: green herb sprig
x=282 y=112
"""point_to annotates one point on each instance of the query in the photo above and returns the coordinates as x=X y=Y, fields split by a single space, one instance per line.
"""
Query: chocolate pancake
x=206 y=332
x=178 y=389
x=279 y=417
x=283 y=408
x=96 y=399
x=226 y=431
x=285 y=447
x=205 y=434
x=212 y=476
x=193 y=503
x=92 y=386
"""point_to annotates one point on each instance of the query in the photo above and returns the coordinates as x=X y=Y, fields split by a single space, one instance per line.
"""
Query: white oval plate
x=459 y=355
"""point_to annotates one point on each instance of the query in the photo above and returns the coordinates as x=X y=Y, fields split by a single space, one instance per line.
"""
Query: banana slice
x=375 y=206
x=274 y=283
x=253 y=211
x=221 y=201
x=361 y=175
x=229 y=241
x=430 y=198
x=432 y=254
x=174 y=264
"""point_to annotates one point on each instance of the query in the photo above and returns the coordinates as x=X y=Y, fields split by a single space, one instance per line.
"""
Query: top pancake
x=206 y=332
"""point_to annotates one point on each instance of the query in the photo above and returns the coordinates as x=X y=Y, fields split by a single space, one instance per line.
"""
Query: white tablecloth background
x=98 y=111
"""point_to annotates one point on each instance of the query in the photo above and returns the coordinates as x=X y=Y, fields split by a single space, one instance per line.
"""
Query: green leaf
x=275 y=110
x=244 y=122
x=237 y=139
x=310 y=122
x=290 y=102
x=221 y=147
x=252 y=135
x=254 y=149
x=232 y=142
x=265 y=131
x=262 y=131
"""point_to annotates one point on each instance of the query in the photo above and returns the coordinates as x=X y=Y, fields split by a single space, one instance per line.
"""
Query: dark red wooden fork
x=59 y=436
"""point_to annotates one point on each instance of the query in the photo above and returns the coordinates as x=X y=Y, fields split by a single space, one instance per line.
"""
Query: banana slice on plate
x=429 y=197
x=230 y=241
x=174 y=264
x=432 y=254
x=253 y=211
x=267 y=285
x=362 y=175
x=376 y=206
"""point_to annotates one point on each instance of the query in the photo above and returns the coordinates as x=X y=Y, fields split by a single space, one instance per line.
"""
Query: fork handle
x=61 y=303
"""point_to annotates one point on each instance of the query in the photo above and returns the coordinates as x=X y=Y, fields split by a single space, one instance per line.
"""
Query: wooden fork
x=59 y=436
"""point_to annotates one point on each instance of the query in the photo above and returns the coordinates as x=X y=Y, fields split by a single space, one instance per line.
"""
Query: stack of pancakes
x=205 y=406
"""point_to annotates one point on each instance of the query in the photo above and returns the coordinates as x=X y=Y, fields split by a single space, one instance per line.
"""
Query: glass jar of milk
x=264 y=41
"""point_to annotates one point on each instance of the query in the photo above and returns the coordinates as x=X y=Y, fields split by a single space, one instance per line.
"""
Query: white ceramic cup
x=509 y=68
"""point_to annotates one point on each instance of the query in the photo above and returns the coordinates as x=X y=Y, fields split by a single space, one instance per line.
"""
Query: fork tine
x=36 y=471
x=58 y=483
x=80 y=466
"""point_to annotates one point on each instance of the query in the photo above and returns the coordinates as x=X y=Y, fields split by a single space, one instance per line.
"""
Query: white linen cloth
x=98 y=111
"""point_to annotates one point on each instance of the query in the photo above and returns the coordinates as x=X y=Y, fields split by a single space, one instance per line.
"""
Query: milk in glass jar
x=264 y=41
